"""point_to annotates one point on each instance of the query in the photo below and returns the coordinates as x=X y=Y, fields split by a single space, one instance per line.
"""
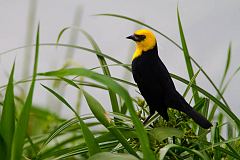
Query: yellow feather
x=137 y=53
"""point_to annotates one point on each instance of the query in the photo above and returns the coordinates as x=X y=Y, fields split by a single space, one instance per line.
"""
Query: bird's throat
x=140 y=49
x=137 y=53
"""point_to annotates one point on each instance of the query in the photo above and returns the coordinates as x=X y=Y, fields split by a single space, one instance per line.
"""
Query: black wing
x=162 y=76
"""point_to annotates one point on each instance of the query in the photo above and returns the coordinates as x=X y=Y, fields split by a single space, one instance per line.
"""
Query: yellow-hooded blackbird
x=154 y=81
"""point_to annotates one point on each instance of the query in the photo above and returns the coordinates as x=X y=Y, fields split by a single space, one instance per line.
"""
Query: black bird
x=154 y=81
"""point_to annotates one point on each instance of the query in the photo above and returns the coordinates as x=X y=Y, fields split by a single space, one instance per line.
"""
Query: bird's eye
x=139 y=37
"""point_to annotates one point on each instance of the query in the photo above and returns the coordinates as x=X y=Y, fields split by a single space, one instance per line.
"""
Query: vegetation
x=119 y=134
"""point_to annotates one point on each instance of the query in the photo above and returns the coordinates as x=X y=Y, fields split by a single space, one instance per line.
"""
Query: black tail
x=183 y=106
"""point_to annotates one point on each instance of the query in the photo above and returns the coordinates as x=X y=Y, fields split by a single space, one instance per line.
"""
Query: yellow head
x=145 y=41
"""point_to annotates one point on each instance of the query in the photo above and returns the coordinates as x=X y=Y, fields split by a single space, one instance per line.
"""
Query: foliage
x=119 y=134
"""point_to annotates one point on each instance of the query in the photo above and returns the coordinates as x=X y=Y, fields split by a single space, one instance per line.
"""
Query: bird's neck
x=139 y=51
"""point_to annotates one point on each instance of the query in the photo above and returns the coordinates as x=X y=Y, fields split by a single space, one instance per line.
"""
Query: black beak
x=133 y=37
x=136 y=38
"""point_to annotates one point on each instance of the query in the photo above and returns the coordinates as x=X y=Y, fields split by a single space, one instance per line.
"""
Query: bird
x=154 y=81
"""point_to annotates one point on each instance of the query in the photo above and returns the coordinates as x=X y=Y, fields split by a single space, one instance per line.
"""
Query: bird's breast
x=142 y=69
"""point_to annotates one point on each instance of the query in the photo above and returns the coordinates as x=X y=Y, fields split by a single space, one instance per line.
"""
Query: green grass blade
x=7 y=123
x=70 y=82
x=70 y=46
x=164 y=151
x=215 y=138
x=110 y=65
x=93 y=146
x=105 y=70
x=53 y=134
x=191 y=82
x=34 y=148
x=162 y=133
x=90 y=51
x=58 y=130
x=102 y=61
x=222 y=90
x=230 y=79
x=230 y=131
x=206 y=107
x=221 y=143
x=112 y=156
x=200 y=104
x=3 y=148
x=227 y=65
x=205 y=114
x=71 y=151
x=121 y=92
x=105 y=138
x=85 y=83
x=220 y=116
x=187 y=58
x=220 y=119
x=228 y=153
x=22 y=125
x=233 y=150
x=103 y=117
x=60 y=34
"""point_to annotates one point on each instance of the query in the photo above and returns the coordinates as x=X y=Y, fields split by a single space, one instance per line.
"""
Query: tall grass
x=119 y=133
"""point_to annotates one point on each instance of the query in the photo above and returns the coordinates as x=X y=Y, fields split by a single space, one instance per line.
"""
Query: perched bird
x=154 y=81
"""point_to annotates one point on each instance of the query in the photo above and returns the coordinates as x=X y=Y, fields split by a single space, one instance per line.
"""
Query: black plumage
x=157 y=87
